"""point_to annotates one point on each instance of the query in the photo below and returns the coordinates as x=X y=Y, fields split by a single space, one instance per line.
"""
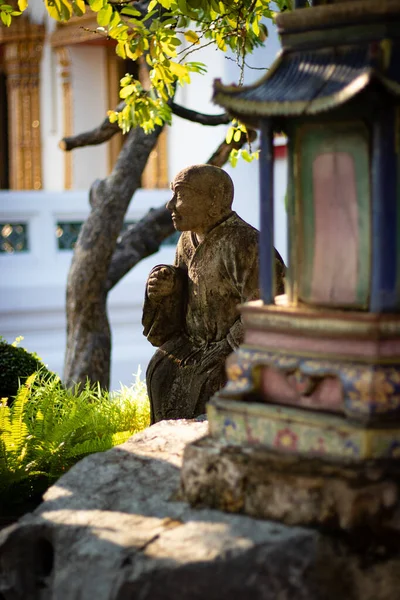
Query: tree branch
x=196 y=117
x=221 y=154
x=144 y=238
x=107 y=130
x=98 y=135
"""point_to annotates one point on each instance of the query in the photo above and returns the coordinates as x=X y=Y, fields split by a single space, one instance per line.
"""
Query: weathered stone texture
x=294 y=490
x=114 y=528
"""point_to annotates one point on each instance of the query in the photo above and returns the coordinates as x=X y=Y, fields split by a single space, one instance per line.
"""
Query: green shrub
x=48 y=429
x=16 y=364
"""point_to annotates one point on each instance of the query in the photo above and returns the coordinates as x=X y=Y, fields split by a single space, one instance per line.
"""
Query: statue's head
x=202 y=196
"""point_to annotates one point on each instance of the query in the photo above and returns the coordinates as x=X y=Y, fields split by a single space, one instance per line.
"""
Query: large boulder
x=114 y=528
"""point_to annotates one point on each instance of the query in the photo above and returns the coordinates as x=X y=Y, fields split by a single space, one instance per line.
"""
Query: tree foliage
x=165 y=33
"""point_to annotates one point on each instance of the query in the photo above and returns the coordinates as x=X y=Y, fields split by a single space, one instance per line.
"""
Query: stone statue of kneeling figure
x=190 y=309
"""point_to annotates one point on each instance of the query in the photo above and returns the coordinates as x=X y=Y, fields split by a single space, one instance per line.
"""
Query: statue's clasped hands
x=161 y=282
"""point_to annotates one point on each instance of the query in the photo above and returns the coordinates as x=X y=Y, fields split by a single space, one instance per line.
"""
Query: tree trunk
x=88 y=330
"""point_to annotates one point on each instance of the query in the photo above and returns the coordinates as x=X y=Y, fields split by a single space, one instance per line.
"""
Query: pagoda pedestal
x=308 y=424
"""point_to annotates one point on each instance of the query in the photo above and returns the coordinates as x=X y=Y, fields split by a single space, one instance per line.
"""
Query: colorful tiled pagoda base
x=301 y=432
x=342 y=362
x=307 y=429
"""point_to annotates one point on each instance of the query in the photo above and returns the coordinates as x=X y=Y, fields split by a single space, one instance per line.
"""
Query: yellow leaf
x=120 y=50
x=127 y=91
x=54 y=9
x=81 y=6
x=22 y=4
x=167 y=48
x=177 y=69
x=135 y=54
x=229 y=135
x=256 y=28
x=96 y=5
x=192 y=37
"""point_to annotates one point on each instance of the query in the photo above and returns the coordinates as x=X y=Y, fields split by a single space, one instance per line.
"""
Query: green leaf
x=104 y=15
x=65 y=10
x=6 y=18
x=197 y=67
x=96 y=5
x=132 y=12
x=115 y=21
x=182 y=6
x=174 y=41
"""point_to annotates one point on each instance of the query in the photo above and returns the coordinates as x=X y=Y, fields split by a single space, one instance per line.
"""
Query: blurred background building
x=60 y=80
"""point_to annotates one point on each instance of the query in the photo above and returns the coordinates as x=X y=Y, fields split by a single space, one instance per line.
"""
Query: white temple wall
x=191 y=143
x=88 y=72
x=51 y=122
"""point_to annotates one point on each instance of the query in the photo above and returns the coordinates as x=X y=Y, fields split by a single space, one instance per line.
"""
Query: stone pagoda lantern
x=307 y=429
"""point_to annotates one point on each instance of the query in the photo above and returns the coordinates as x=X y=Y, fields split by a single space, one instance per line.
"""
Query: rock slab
x=115 y=528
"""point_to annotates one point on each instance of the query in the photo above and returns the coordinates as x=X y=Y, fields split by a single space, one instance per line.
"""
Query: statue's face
x=189 y=209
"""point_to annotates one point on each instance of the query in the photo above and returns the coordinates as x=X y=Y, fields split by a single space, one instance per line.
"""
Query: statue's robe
x=199 y=325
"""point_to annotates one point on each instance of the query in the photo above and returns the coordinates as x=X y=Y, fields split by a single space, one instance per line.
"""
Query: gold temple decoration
x=22 y=65
x=77 y=30
x=113 y=76
x=155 y=174
x=65 y=73
x=21 y=29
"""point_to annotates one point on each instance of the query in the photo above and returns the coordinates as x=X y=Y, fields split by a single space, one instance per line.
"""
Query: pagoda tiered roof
x=306 y=82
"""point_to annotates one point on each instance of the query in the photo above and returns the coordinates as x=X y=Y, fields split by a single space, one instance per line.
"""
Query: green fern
x=48 y=429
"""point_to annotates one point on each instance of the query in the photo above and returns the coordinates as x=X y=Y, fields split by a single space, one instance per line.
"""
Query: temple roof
x=311 y=81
